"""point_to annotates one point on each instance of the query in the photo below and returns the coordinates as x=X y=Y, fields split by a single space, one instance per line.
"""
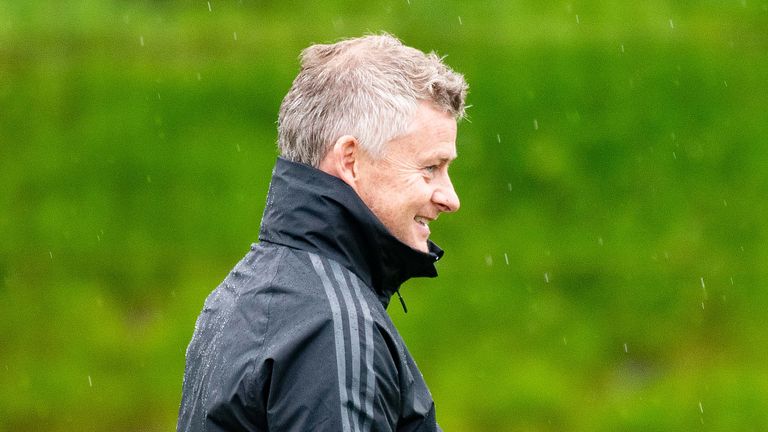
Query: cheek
x=413 y=189
x=379 y=196
x=395 y=195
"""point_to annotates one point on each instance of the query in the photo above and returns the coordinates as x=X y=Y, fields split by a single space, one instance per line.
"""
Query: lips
x=422 y=220
x=423 y=225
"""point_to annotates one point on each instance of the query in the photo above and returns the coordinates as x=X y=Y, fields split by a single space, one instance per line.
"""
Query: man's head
x=382 y=117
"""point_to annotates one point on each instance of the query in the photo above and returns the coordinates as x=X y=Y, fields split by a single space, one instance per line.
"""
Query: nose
x=445 y=196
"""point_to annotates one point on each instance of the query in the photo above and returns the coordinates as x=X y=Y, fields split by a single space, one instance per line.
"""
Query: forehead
x=432 y=134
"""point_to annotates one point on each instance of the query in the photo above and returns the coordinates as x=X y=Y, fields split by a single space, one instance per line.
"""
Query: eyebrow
x=439 y=160
x=441 y=157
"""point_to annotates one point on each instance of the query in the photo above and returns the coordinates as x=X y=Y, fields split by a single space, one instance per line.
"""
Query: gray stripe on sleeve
x=338 y=333
x=371 y=377
x=354 y=336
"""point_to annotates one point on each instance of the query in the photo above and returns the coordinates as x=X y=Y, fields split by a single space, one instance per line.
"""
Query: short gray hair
x=367 y=87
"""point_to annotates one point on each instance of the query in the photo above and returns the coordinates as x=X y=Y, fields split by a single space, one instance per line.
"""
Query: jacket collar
x=311 y=210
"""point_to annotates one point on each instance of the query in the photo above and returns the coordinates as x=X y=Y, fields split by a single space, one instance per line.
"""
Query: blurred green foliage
x=607 y=270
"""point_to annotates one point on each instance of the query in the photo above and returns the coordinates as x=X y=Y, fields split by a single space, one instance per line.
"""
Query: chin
x=415 y=241
x=421 y=246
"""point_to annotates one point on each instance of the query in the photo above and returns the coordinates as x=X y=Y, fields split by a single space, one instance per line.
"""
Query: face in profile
x=408 y=187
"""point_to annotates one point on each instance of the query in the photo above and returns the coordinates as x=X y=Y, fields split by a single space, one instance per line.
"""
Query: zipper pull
x=402 y=302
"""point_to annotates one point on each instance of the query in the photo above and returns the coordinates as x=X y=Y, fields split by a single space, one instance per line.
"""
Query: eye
x=431 y=169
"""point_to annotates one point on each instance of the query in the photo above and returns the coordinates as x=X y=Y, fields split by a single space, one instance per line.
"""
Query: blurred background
x=606 y=272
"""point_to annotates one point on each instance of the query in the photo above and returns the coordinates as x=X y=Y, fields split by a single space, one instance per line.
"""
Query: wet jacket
x=296 y=338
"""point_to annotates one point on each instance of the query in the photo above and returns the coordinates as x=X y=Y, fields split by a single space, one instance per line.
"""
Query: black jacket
x=296 y=338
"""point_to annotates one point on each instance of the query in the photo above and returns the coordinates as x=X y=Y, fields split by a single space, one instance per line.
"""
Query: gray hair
x=367 y=87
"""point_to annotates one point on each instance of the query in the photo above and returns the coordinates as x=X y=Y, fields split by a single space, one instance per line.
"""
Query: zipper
x=402 y=302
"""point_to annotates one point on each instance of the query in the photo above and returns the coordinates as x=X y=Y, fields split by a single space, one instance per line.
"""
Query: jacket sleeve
x=318 y=384
x=320 y=355
x=331 y=368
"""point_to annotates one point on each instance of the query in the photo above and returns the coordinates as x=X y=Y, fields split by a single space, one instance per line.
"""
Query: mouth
x=424 y=223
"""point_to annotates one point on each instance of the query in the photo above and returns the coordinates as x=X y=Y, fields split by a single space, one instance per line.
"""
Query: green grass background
x=607 y=270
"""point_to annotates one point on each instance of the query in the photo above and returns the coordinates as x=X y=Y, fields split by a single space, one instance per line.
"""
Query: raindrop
x=498 y=137
x=577 y=19
x=546 y=277
x=626 y=348
x=141 y=40
x=725 y=82
x=622 y=47
x=565 y=341
x=701 y=407
x=704 y=287
x=509 y=186
x=506 y=258
x=671 y=24
x=149 y=178
x=725 y=203
x=51 y=254
x=600 y=241
x=235 y=35
x=199 y=77
x=238 y=148
x=488 y=260
x=674 y=155
x=90 y=382
x=460 y=23
x=209 y=7
x=535 y=124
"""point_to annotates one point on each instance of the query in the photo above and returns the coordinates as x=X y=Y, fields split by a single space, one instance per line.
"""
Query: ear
x=342 y=160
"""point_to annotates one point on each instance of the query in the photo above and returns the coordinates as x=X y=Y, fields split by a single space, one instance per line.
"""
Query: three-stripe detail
x=350 y=311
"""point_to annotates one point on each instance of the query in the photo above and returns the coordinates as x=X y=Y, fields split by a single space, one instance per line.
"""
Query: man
x=296 y=338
